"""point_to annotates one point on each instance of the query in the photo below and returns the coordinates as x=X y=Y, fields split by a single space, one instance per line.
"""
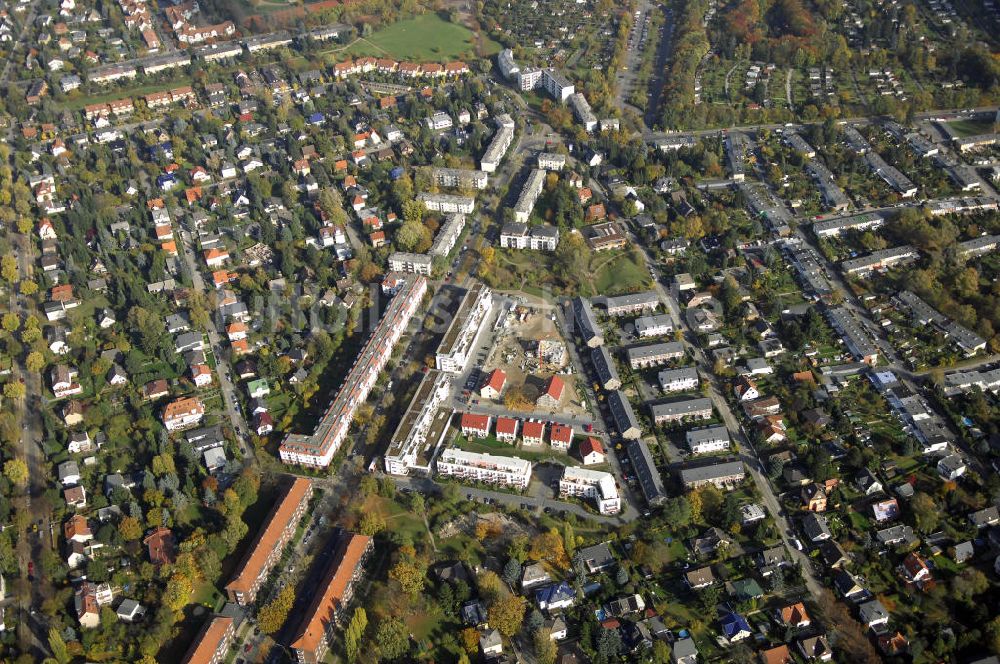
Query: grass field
x=425 y=38
x=619 y=275
x=963 y=128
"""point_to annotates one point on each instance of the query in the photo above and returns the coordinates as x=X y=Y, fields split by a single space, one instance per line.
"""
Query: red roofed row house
x=532 y=431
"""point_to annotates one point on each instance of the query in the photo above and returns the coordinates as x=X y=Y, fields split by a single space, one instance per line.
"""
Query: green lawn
x=619 y=275
x=424 y=38
x=964 y=128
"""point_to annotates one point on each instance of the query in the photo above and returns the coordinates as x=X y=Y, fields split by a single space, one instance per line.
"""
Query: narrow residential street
x=222 y=367
x=746 y=451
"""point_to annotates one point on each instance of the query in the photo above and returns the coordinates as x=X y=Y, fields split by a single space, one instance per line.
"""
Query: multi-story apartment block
x=707 y=440
x=855 y=337
x=447 y=203
x=183 y=413
x=551 y=161
x=653 y=326
x=878 y=260
x=604 y=367
x=497 y=149
x=516 y=235
x=583 y=315
x=403 y=261
x=511 y=472
x=332 y=599
x=633 y=303
x=651 y=355
x=422 y=427
x=723 y=474
x=626 y=422
x=460 y=177
x=319 y=448
x=508 y=67
x=681 y=411
x=267 y=548
x=529 y=194
x=646 y=472
x=212 y=643
x=529 y=78
x=679 y=380
x=582 y=111
x=465 y=327
x=447 y=236
x=557 y=84
x=593 y=484
x=858 y=222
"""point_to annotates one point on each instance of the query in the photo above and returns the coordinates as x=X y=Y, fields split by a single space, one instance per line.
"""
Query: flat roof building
x=496 y=149
x=422 y=428
x=402 y=261
x=464 y=329
x=594 y=484
x=511 y=472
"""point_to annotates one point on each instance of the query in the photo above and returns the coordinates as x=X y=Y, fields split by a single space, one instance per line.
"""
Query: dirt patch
x=466 y=525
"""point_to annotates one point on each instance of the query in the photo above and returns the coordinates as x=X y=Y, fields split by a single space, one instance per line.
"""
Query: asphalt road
x=222 y=367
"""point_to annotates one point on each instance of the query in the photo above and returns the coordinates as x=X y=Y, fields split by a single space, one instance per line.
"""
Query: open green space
x=424 y=38
x=621 y=274
x=963 y=128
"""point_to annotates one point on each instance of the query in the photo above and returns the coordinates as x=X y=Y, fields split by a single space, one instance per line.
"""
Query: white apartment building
x=447 y=203
x=529 y=78
x=529 y=194
x=653 y=326
x=460 y=177
x=679 y=380
x=448 y=235
x=557 y=85
x=439 y=121
x=497 y=149
x=421 y=429
x=511 y=472
x=551 y=161
x=319 y=448
x=520 y=236
x=469 y=321
x=594 y=484
x=402 y=261
x=508 y=67
x=707 y=440
x=582 y=111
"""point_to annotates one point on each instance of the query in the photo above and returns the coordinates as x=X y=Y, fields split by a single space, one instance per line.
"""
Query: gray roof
x=604 y=366
x=711 y=471
x=654 y=350
x=681 y=408
x=621 y=411
x=646 y=472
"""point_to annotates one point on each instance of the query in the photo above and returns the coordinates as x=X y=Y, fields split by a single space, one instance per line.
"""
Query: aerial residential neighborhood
x=539 y=331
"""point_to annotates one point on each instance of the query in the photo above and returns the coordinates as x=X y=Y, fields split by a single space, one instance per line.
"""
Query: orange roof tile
x=328 y=600
x=253 y=565
x=209 y=640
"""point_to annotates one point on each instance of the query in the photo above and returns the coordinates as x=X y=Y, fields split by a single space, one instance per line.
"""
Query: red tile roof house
x=591 y=451
x=506 y=429
x=477 y=426
x=560 y=437
x=533 y=432
x=160 y=544
x=553 y=393
x=493 y=387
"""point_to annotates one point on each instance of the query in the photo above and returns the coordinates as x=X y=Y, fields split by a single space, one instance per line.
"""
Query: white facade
x=402 y=261
x=459 y=340
x=594 y=484
x=487 y=468
x=461 y=177
x=448 y=235
x=497 y=149
x=679 y=380
x=447 y=203
x=653 y=326
x=551 y=161
x=529 y=194
x=557 y=84
x=707 y=440
x=411 y=448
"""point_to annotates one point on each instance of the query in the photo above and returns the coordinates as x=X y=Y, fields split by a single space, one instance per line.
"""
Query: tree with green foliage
x=511 y=572
x=16 y=471
x=506 y=613
x=544 y=647
x=272 y=615
x=58 y=647
x=392 y=639
x=354 y=633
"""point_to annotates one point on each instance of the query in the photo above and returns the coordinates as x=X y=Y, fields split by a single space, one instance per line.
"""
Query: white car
x=797 y=544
